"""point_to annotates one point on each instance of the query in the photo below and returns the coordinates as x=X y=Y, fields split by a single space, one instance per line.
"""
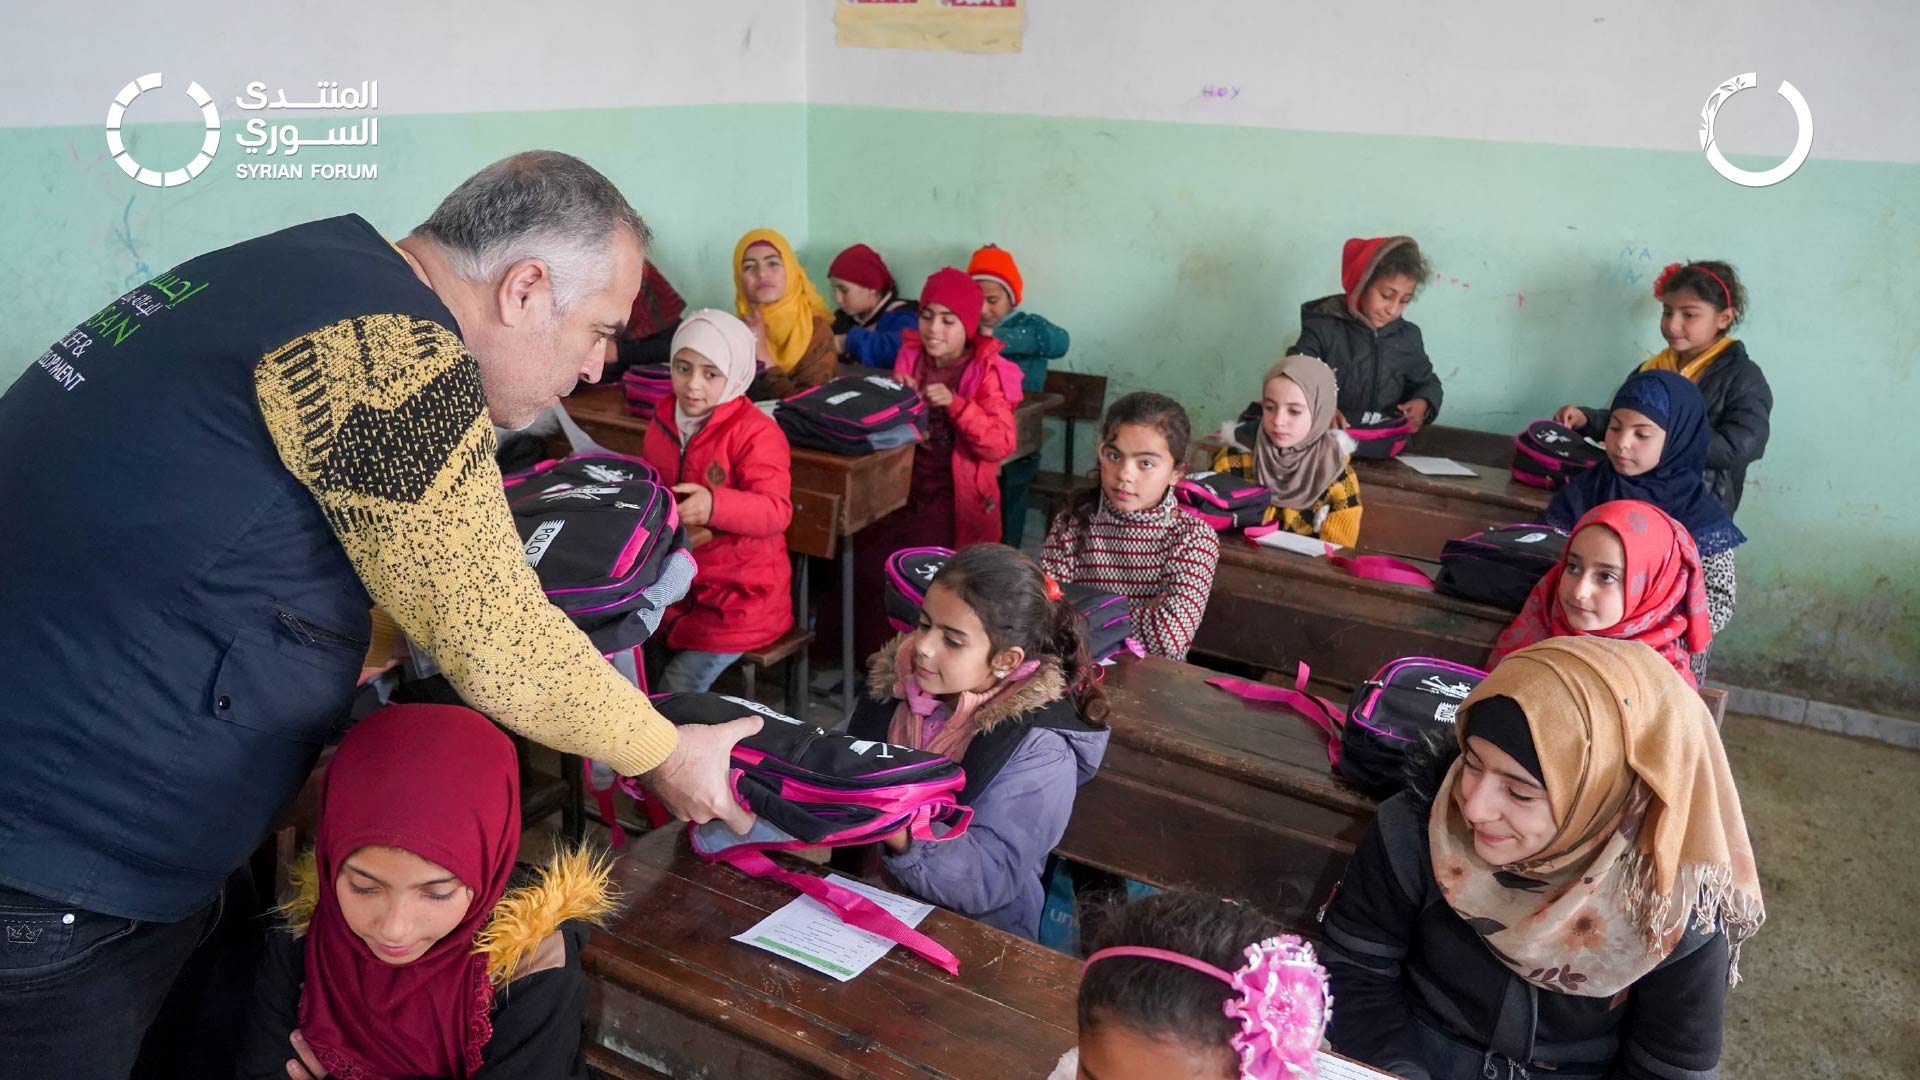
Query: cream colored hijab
x=1300 y=474
x=1651 y=839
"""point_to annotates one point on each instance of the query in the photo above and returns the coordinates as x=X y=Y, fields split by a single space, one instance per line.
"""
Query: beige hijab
x=1651 y=839
x=1300 y=474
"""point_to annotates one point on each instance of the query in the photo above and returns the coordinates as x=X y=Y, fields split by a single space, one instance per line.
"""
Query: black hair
x=1161 y=999
x=1401 y=259
x=1699 y=279
x=1148 y=409
x=1008 y=591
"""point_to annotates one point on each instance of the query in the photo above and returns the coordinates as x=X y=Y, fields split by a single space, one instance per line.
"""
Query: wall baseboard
x=1824 y=715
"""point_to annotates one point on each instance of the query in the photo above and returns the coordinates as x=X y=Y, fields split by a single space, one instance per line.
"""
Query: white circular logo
x=172 y=177
x=1801 y=144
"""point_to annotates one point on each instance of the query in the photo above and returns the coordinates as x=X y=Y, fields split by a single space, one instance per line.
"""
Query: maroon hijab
x=442 y=783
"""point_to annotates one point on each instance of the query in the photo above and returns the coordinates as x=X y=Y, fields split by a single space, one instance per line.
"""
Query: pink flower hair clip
x=1281 y=1002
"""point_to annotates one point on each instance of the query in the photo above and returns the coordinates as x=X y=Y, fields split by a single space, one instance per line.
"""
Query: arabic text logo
x=172 y=177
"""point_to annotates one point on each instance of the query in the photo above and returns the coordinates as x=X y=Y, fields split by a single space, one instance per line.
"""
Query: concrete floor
x=1830 y=987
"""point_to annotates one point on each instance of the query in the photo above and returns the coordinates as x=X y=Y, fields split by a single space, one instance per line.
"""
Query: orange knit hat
x=996 y=264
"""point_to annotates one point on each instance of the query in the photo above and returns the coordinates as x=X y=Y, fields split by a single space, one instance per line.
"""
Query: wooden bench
x=1082 y=398
x=1273 y=609
x=1204 y=789
x=1464 y=445
x=670 y=989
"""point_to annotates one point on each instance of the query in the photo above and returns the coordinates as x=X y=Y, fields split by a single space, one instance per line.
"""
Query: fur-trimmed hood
x=573 y=886
x=1043 y=687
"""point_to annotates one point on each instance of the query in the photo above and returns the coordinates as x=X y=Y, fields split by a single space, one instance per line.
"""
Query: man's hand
x=1572 y=416
x=938 y=396
x=1416 y=410
x=696 y=503
x=305 y=1066
x=695 y=782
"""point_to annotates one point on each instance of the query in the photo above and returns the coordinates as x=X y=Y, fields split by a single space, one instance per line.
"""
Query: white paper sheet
x=1330 y=1067
x=1435 y=466
x=1294 y=542
x=809 y=933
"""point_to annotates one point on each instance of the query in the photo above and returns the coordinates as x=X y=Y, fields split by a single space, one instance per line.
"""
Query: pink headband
x=1666 y=275
x=1280 y=1000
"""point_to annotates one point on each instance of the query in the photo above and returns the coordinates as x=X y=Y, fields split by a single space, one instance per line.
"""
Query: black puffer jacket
x=1376 y=369
x=1418 y=993
x=1739 y=409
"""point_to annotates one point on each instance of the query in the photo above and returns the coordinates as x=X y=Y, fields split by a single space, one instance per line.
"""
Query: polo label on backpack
x=543 y=535
x=842 y=399
x=1531 y=538
x=763 y=710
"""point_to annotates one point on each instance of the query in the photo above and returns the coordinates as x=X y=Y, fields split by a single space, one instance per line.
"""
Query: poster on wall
x=986 y=26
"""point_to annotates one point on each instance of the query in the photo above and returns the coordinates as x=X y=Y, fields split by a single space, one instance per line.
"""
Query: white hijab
x=725 y=341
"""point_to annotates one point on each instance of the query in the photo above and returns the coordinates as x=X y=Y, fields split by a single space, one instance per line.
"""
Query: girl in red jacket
x=728 y=465
x=970 y=390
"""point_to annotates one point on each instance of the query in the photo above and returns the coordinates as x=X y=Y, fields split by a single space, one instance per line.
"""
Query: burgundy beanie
x=954 y=289
x=863 y=266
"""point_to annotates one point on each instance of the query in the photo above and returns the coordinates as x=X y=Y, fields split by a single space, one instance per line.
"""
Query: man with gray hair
x=210 y=481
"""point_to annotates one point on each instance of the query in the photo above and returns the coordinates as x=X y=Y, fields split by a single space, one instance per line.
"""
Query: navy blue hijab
x=1676 y=484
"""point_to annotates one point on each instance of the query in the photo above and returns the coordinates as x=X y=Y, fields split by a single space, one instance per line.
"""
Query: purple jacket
x=992 y=872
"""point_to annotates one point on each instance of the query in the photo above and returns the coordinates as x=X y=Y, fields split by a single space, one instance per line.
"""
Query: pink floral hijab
x=1650 y=840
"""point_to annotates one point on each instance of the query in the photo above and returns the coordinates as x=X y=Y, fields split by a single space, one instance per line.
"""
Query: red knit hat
x=956 y=291
x=1360 y=258
x=863 y=266
x=996 y=264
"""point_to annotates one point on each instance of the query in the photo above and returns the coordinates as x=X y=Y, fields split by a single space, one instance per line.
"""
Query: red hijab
x=1666 y=592
x=442 y=783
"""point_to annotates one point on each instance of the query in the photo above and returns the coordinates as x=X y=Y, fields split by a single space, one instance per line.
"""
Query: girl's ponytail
x=1068 y=643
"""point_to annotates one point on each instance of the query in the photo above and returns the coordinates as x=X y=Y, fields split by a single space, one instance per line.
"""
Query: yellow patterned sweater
x=383 y=419
x=1333 y=517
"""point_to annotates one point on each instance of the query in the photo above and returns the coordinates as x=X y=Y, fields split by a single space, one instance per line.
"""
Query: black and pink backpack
x=854 y=415
x=811 y=788
x=1222 y=499
x=1389 y=714
x=1501 y=565
x=1106 y=618
x=1548 y=454
x=645 y=385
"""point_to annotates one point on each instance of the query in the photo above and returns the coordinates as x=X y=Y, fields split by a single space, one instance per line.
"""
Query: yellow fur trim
x=575 y=884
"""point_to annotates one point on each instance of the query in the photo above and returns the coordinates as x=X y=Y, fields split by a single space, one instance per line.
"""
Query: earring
x=999 y=673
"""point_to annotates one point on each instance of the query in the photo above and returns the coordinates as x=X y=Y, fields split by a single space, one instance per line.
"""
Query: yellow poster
x=991 y=26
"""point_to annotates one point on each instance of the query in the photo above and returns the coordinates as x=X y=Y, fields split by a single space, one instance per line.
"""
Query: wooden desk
x=669 y=987
x=1028 y=422
x=1205 y=789
x=1464 y=445
x=1408 y=514
x=1273 y=609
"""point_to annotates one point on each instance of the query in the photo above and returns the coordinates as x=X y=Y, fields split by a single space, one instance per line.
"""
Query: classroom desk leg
x=846 y=630
x=799 y=689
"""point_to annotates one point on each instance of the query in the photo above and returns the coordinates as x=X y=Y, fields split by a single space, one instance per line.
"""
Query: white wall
x=62 y=63
x=1619 y=73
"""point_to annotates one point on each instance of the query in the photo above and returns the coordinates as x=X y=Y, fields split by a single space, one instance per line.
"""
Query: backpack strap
x=1382 y=568
x=1321 y=713
x=852 y=908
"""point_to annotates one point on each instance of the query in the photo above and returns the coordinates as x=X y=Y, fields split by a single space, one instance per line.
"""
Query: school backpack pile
x=1499 y=566
x=854 y=415
x=1375 y=435
x=604 y=536
x=1223 y=500
x=645 y=385
x=1549 y=454
x=812 y=788
x=1385 y=719
x=1106 y=619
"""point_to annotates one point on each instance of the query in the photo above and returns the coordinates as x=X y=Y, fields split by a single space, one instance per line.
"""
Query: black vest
x=182 y=631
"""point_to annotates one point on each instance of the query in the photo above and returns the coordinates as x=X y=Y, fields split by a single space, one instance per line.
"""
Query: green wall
x=75 y=232
x=1178 y=256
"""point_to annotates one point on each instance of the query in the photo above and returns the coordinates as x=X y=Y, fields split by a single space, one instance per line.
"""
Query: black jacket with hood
x=1376 y=369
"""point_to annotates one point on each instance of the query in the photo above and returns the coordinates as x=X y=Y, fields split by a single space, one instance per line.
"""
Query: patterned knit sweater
x=1161 y=559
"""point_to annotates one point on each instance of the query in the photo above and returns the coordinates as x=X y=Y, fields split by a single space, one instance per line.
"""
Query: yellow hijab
x=789 y=319
x=1668 y=360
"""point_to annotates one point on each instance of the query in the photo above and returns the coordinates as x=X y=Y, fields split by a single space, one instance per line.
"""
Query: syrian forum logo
x=1802 y=144
x=172 y=177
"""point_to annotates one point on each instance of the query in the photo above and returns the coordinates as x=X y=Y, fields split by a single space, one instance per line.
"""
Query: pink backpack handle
x=1329 y=718
x=1383 y=568
x=853 y=909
